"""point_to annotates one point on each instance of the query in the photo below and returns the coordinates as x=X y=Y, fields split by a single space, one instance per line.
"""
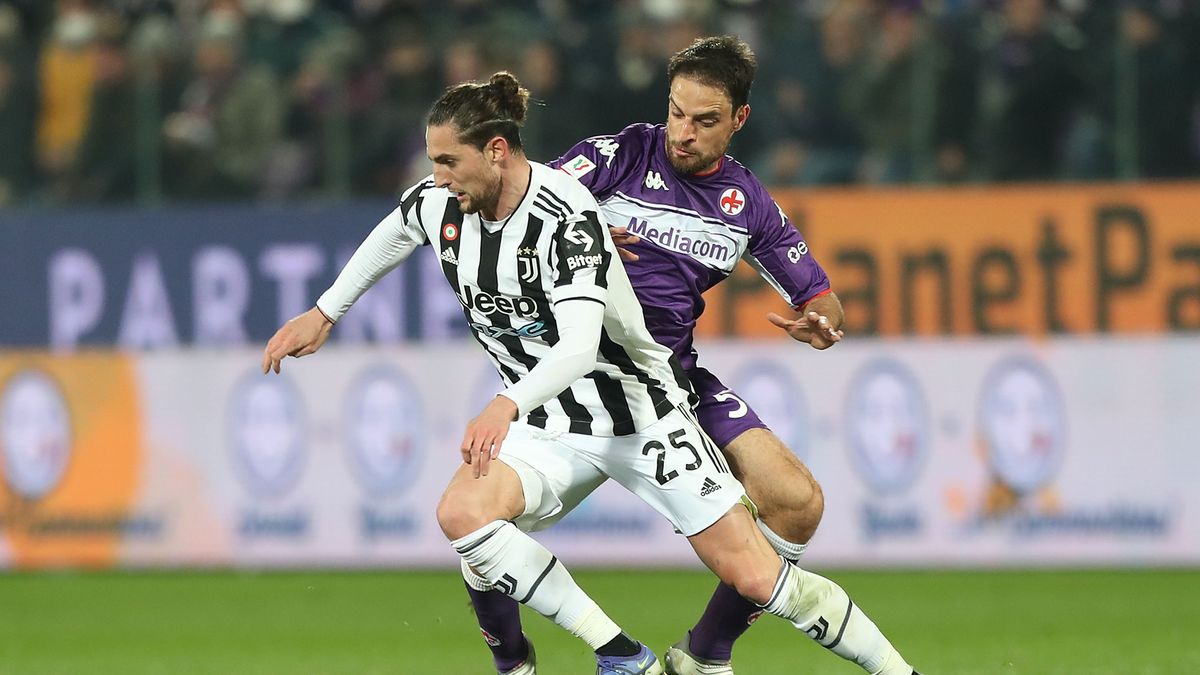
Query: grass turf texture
x=418 y=623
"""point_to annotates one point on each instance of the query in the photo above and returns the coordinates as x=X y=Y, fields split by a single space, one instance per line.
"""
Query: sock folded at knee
x=821 y=609
x=515 y=564
x=789 y=550
x=474 y=580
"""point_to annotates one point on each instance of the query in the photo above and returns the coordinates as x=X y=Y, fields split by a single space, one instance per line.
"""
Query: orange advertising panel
x=1029 y=259
x=70 y=443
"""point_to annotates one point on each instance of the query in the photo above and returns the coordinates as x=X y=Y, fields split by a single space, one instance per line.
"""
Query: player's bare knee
x=794 y=512
x=460 y=513
x=753 y=582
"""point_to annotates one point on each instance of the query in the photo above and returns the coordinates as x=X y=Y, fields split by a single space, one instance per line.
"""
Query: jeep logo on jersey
x=485 y=303
x=732 y=201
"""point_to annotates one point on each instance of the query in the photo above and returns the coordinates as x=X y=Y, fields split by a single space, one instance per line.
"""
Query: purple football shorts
x=723 y=414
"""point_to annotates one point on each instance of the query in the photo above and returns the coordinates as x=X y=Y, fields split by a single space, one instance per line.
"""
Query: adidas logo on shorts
x=709 y=487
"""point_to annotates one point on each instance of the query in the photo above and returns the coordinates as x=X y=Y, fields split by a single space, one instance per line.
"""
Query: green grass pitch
x=1142 y=622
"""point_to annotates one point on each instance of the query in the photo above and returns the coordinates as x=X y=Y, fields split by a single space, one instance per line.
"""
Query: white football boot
x=681 y=661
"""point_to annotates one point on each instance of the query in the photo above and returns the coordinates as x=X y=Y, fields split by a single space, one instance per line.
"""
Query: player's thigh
x=469 y=503
x=672 y=466
x=773 y=475
x=554 y=478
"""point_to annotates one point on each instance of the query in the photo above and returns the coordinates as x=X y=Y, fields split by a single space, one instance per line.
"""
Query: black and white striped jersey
x=509 y=276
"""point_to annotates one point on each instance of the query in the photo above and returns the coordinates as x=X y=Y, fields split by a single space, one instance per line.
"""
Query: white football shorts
x=672 y=465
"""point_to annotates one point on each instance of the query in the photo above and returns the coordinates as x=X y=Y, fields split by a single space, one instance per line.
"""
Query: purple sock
x=500 y=621
x=727 y=616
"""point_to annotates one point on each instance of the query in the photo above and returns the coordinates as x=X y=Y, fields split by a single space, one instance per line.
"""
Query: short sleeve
x=779 y=253
x=581 y=253
x=602 y=163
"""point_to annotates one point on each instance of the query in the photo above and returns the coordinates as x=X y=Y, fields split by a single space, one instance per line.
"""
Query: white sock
x=474 y=580
x=822 y=609
x=511 y=562
x=789 y=550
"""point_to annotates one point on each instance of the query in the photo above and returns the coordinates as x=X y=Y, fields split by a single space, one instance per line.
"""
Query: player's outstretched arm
x=300 y=336
x=819 y=324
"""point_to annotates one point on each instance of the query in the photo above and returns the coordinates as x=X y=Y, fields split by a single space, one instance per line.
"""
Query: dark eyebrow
x=710 y=115
x=441 y=159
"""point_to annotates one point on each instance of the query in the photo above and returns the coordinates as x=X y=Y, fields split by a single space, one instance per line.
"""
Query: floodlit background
x=1005 y=194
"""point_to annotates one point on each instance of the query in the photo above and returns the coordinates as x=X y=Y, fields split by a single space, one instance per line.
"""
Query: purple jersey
x=694 y=229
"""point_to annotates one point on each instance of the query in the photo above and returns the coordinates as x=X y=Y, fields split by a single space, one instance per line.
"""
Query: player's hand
x=484 y=435
x=300 y=336
x=809 y=327
x=621 y=237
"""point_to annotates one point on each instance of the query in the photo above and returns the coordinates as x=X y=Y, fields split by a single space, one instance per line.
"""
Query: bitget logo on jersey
x=887 y=422
x=35 y=434
x=384 y=427
x=267 y=434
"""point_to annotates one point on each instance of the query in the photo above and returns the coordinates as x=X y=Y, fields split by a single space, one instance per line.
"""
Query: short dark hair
x=480 y=112
x=723 y=61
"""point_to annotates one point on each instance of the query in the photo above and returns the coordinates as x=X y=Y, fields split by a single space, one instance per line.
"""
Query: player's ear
x=497 y=148
x=740 y=117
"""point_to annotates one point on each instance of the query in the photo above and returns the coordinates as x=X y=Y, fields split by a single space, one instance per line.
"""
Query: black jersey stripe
x=414 y=199
x=581 y=297
x=549 y=194
x=509 y=376
x=616 y=355
x=683 y=381
x=531 y=286
x=487 y=276
x=554 y=211
x=714 y=453
x=615 y=402
x=451 y=236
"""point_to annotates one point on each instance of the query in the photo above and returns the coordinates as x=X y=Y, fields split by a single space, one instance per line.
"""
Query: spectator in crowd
x=804 y=103
x=103 y=169
x=66 y=74
x=1164 y=93
x=281 y=98
x=230 y=118
x=882 y=93
x=553 y=121
x=18 y=107
x=1026 y=93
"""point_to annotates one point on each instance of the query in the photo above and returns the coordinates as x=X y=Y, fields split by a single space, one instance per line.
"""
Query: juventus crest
x=527 y=264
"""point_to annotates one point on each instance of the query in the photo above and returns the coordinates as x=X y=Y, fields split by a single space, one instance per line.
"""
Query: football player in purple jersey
x=685 y=213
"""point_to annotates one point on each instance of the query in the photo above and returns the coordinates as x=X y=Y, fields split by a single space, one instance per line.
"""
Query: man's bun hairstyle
x=480 y=112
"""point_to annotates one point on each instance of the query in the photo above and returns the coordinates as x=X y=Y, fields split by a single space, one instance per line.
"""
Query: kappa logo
x=606 y=147
x=654 y=181
x=449 y=257
x=578 y=166
x=710 y=486
x=732 y=201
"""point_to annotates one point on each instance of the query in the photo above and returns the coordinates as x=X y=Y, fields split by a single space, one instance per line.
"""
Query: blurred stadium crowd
x=150 y=100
